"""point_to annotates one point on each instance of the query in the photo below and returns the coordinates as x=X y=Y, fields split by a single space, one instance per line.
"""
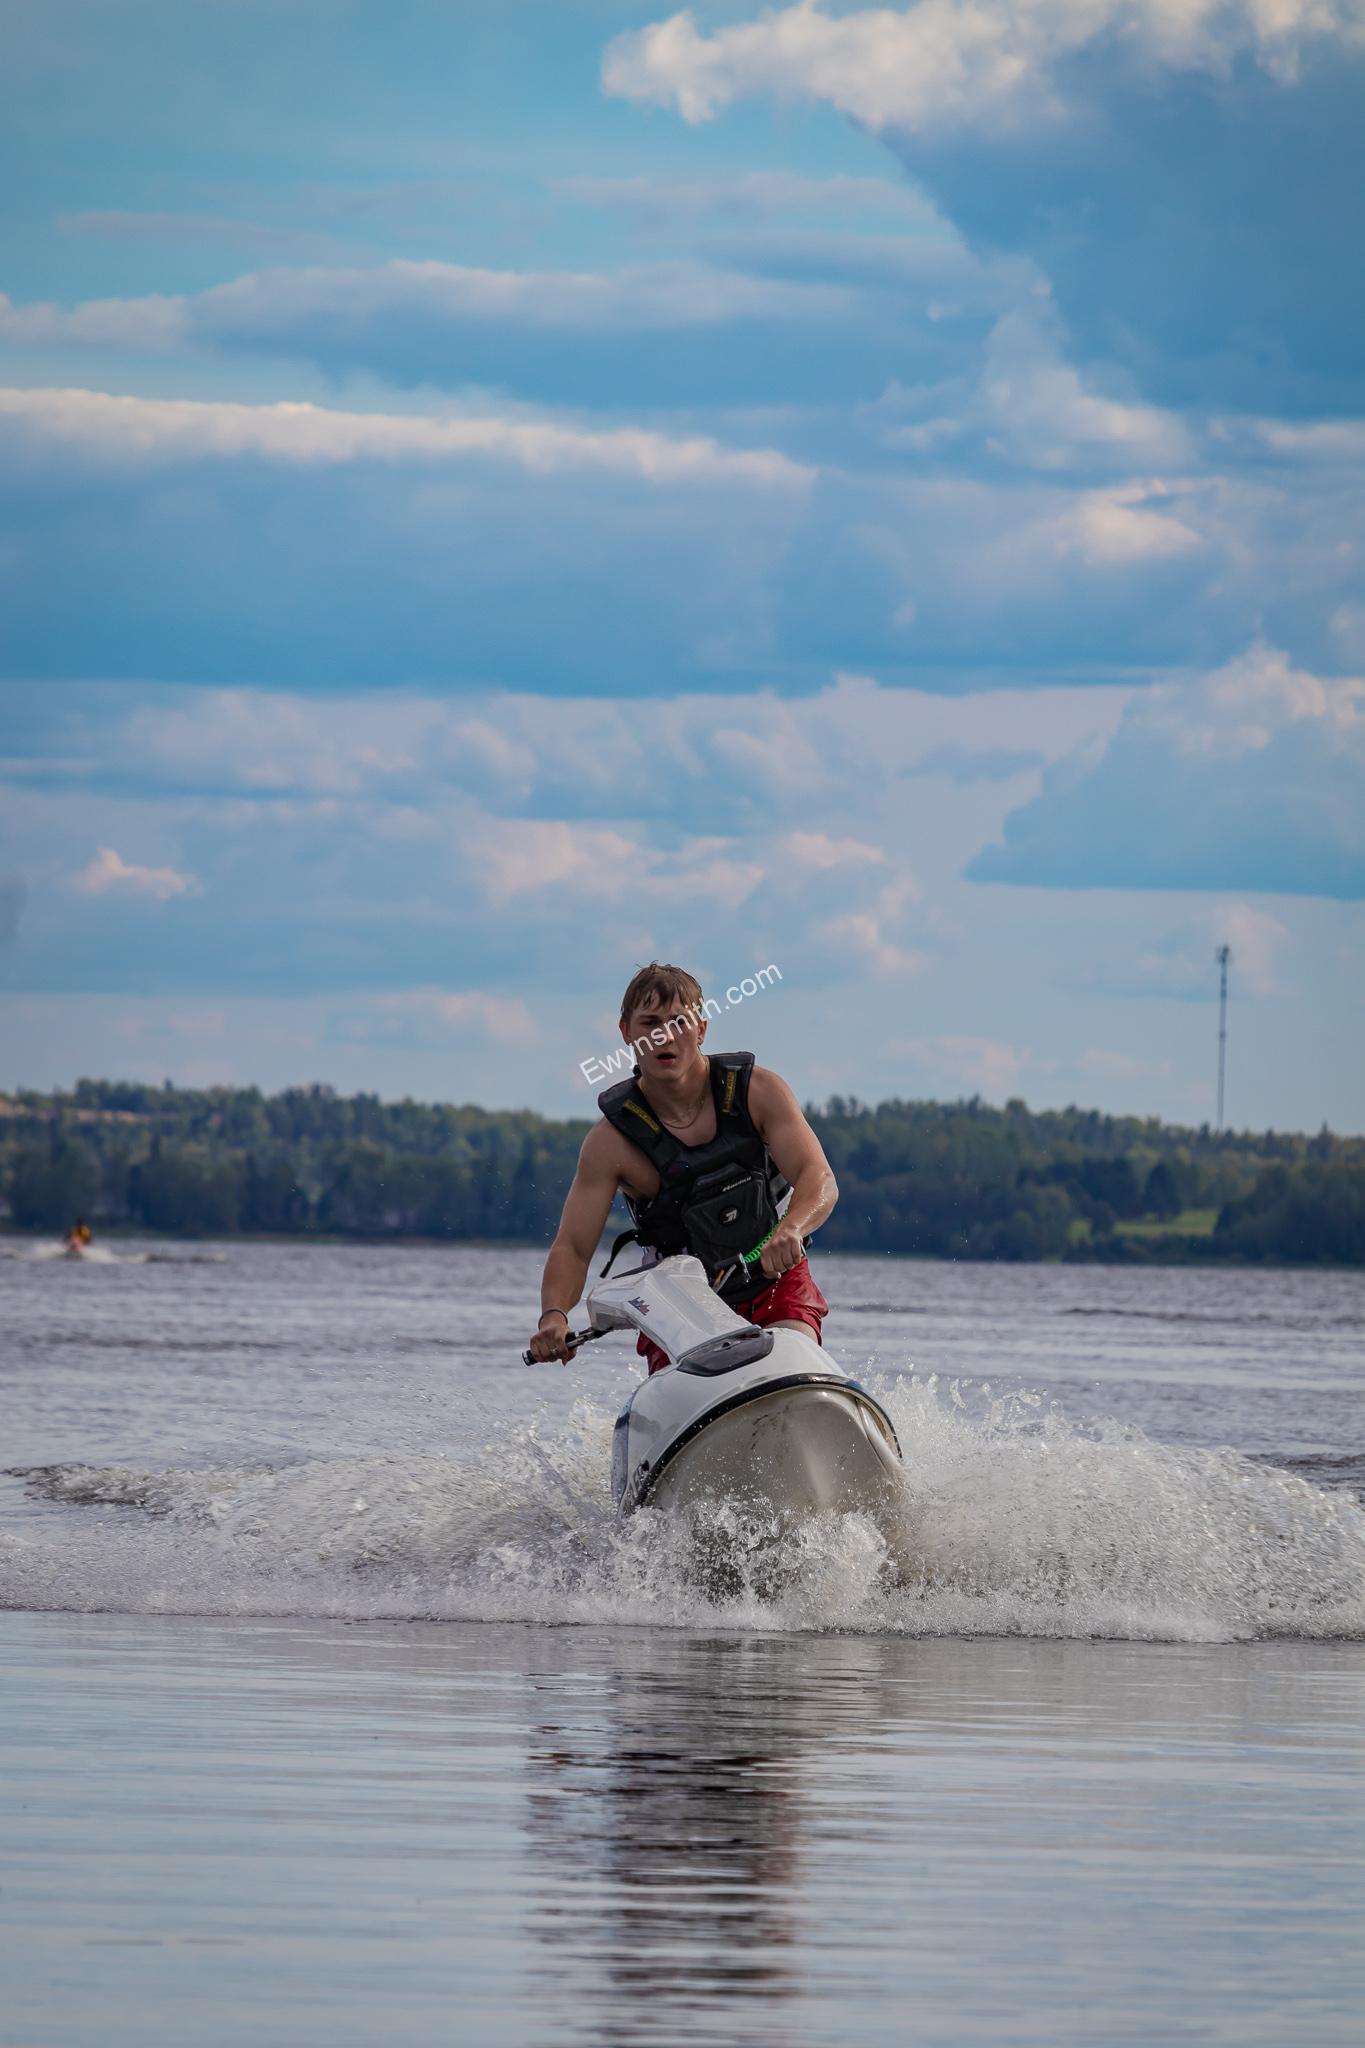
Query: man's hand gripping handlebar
x=556 y=1343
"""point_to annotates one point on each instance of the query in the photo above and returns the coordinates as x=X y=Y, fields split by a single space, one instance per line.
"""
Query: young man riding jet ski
x=704 y=1147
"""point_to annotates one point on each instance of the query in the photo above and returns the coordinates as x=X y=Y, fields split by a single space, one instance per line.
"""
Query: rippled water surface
x=300 y=1748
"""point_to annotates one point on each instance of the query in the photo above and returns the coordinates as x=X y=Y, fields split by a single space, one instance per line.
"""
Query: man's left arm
x=800 y=1158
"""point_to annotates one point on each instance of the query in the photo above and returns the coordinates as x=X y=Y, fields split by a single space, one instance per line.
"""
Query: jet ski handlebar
x=572 y=1337
x=668 y=1302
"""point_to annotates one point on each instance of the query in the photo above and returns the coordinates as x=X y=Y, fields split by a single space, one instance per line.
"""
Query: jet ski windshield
x=723 y=1354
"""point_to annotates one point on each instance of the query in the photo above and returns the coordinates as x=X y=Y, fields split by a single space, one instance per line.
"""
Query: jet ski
x=764 y=1417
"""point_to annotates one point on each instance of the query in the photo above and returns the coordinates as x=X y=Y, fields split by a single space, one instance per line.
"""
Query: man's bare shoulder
x=604 y=1150
x=769 y=1094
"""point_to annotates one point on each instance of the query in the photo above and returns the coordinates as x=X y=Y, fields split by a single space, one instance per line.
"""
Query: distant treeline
x=946 y=1180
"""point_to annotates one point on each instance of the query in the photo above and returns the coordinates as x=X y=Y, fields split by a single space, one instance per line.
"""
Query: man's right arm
x=586 y=1208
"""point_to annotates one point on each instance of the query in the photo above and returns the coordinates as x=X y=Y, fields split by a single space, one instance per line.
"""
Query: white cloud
x=139 y=431
x=1256 y=939
x=526 y=857
x=819 y=850
x=755 y=192
x=518 y=747
x=208 y=1022
x=1316 y=440
x=1100 y=1064
x=869 y=934
x=1119 y=528
x=637 y=298
x=1241 y=707
x=1025 y=403
x=985 y=1065
x=397 y=1040
x=282 y=307
x=1182 y=962
x=485 y=747
x=702 y=871
x=1347 y=626
x=407 y=831
x=529 y=855
x=109 y=873
x=150 y=323
x=1043 y=409
x=442 y=1013
x=1248 y=778
x=266 y=741
x=949 y=63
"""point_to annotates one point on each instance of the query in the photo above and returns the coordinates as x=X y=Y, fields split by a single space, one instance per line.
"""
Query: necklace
x=682 y=1123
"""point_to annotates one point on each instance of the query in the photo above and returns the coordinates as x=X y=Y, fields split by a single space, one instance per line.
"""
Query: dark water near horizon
x=298 y=1746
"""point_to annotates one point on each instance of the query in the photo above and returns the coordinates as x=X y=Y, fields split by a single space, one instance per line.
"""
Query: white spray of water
x=104 y=1255
x=1016 y=1522
x=88 y=1255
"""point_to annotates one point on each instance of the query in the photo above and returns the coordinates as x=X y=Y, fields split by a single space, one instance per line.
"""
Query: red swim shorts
x=792 y=1298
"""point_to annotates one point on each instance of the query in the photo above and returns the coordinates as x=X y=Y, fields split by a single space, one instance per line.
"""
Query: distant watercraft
x=83 y=1252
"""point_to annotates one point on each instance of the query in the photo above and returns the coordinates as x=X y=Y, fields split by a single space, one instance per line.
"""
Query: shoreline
x=1171 y=1256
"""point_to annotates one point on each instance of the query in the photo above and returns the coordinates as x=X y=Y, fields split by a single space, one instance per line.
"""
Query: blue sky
x=492 y=494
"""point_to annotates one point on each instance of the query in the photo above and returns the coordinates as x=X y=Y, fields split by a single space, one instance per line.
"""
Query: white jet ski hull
x=763 y=1417
x=793 y=1451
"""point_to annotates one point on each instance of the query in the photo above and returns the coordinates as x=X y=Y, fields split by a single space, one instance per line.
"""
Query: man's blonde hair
x=666 y=984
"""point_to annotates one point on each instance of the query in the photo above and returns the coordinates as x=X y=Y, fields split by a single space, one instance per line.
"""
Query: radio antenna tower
x=1223 y=956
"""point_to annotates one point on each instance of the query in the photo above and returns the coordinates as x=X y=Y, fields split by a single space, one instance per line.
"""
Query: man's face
x=666 y=1036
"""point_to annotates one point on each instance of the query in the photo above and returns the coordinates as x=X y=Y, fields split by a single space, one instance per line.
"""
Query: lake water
x=338 y=1707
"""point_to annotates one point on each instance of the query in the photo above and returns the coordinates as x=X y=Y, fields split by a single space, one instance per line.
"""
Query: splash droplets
x=1017 y=1522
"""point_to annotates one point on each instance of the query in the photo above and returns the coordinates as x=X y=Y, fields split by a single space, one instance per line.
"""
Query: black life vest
x=719 y=1201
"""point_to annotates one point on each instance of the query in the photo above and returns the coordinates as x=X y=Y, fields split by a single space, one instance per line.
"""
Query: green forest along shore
x=945 y=1180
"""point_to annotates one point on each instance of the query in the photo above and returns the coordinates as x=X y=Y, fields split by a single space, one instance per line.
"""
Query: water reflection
x=520 y=1835
x=672 y=1821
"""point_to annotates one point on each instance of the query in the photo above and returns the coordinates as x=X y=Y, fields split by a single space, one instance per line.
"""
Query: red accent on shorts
x=792 y=1298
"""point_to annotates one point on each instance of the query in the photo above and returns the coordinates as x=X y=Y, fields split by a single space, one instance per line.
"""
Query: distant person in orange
x=78 y=1237
x=704 y=1149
